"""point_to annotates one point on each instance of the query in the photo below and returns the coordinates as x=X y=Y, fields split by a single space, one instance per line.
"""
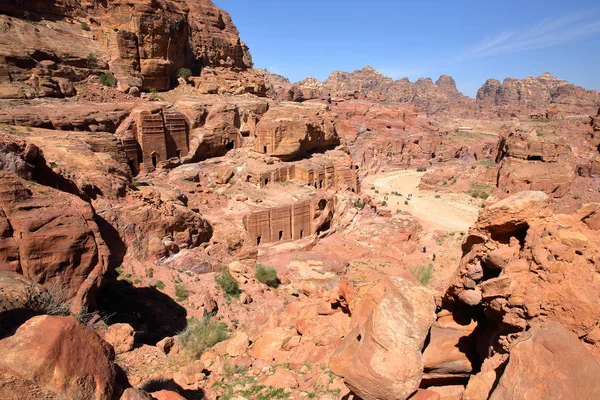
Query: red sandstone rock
x=549 y=362
x=146 y=49
x=120 y=337
x=545 y=274
x=166 y=395
x=537 y=93
x=380 y=358
x=55 y=237
x=56 y=356
x=288 y=131
x=451 y=348
x=135 y=394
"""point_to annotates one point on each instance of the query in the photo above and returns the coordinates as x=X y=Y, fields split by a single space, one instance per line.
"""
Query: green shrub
x=437 y=196
x=150 y=273
x=85 y=26
x=181 y=292
x=383 y=203
x=108 y=79
x=227 y=283
x=359 y=204
x=484 y=195
x=406 y=202
x=184 y=73
x=266 y=275
x=201 y=335
x=421 y=169
x=160 y=285
x=423 y=273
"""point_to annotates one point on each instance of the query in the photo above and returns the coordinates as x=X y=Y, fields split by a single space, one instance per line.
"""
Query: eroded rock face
x=523 y=265
x=142 y=44
x=51 y=237
x=549 y=362
x=288 y=131
x=155 y=223
x=56 y=357
x=531 y=162
x=536 y=93
x=380 y=358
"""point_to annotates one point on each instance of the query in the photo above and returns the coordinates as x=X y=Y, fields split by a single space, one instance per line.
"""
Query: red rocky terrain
x=175 y=224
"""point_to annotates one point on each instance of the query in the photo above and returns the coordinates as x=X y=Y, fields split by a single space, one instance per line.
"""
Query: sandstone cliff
x=537 y=94
x=44 y=47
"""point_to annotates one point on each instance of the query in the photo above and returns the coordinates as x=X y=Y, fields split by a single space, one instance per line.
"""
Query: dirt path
x=449 y=212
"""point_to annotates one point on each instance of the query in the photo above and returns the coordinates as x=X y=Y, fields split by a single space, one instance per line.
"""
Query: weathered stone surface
x=120 y=336
x=135 y=394
x=56 y=356
x=50 y=236
x=549 y=362
x=548 y=270
x=380 y=358
x=536 y=93
x=451 y=348
x=289 y=130
x=146 y=49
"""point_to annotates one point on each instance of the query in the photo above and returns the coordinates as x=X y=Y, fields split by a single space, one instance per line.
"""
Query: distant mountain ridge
x=531 y=93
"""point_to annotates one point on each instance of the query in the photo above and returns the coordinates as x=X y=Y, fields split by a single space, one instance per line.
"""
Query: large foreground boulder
x=381 y=356
x=57 y=358
x=549 y=362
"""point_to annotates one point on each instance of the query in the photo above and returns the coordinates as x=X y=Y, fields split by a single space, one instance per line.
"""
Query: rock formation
x=552 y=355
x=381 y=358
x=51 y=237
x=537 y=94
x=56 y=357
x=371 y=84
x=523 y=265
x=290 y=131
x=143 y=50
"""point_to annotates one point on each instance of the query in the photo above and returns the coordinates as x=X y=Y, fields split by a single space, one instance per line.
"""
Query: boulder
x=120 y=336
x=549 y=362
x=135 y=394
x=381 y=358
x=451 y=348
x=56 y=356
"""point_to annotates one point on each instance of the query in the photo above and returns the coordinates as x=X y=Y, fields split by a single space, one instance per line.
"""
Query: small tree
x=266 y=275
x=184 y=73
x=85 y=26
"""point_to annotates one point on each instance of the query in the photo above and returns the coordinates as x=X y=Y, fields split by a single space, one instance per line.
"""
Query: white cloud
x=549 y=32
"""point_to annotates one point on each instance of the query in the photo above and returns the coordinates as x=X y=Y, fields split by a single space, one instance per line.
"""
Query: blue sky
x=468 y=40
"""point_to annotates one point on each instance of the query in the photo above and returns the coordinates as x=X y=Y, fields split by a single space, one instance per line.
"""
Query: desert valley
x=177 y=224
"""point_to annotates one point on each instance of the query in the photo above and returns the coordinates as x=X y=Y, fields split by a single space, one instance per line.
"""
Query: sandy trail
x=450 y=212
